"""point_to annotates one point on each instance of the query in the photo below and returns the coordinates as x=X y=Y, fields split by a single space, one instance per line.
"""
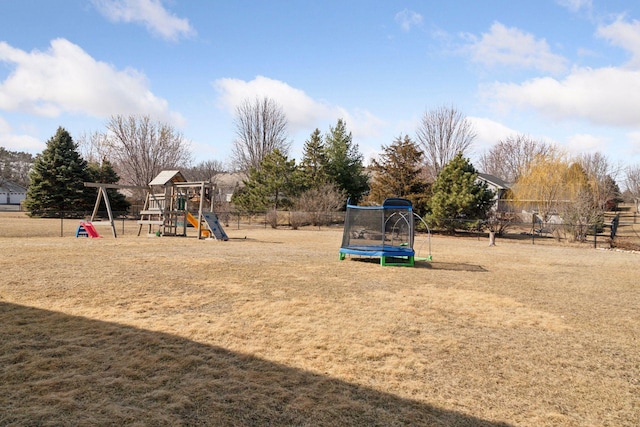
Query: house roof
x=494 y=180
x=168 y=176
x=229 y=181
x=11 y=187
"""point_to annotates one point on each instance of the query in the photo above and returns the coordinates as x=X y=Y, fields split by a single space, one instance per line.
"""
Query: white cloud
x=488 y=133
x=362 y=123
x=408 y=19
x=601 y=96
x=511 y=47
x=302 y=111
x=13 y=142
x=150 y=13
x=625 y=35
x=65 y=79
x=586 y=143
x=24 y=143
x=576 y=5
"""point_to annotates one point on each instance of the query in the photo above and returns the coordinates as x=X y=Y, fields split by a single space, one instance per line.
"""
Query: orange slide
x=194 y=221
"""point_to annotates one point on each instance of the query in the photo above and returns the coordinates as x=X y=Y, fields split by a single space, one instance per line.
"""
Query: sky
x=565 y=72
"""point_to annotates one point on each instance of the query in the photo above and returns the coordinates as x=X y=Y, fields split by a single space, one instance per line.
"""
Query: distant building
x=500 y=188
x=227 y=183
x=11 y=193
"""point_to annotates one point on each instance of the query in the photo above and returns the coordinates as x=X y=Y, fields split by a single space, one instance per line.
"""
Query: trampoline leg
x=410 y=261
x=342 y=256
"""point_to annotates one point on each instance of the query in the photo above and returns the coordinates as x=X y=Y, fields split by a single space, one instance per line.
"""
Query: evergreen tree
x=614 y=194
x=57 y=178
x=458 y=195
x=344 y=162
x=314 y=161
x=398 y=173
x=272 y=186
x=105 y=174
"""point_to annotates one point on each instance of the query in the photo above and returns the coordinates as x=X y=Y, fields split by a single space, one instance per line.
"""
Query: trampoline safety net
x=379 y=231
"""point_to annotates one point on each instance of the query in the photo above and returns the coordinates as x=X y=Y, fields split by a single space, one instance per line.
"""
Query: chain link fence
x=65 y=224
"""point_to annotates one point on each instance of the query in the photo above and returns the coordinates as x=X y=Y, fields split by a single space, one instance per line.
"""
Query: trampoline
x=385 y=231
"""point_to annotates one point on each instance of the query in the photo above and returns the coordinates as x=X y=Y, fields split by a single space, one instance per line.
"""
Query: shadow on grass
x=57 y=369
x=453 y=266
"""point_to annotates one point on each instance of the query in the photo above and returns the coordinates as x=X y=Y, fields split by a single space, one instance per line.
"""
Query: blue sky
x=561 y=71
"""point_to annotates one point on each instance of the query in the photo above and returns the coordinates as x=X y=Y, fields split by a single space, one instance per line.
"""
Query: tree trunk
x=492 y=238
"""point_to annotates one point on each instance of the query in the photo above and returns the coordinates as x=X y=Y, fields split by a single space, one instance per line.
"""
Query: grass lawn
x=270 y=328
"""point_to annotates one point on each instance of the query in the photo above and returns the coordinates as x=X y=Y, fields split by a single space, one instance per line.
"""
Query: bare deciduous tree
x=141 y=148
x=443 y=133
x=633 y=183
x=510 y=158
x=601 y=175
x=205 y=171
x=318 y=203
x=94 y=146
x=261 y=127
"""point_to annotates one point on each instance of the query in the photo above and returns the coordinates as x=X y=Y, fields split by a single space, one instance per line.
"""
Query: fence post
x=595 y=236
x=533 y=230
x=61 y=224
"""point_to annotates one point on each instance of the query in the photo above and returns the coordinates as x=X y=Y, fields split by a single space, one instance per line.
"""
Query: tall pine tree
x=314 y=161
x=344 y=162
x=57 y=178
x=457 y=195
x=397 y=172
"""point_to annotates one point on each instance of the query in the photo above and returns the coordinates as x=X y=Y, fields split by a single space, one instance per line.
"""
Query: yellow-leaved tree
x=555 y=185
x=541 y=188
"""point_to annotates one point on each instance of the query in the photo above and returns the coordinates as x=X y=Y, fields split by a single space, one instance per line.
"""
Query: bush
x=319 y=202
x=298 y=219
x=272 y=218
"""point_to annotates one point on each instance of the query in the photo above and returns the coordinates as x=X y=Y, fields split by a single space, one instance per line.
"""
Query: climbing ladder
x=152 y=214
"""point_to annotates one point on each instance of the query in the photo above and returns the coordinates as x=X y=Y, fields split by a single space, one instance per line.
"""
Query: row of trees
x=332 y=167
x=545 y=180
x=332 y=170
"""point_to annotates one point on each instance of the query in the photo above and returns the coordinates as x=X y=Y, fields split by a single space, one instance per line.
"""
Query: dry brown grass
x=273 y=329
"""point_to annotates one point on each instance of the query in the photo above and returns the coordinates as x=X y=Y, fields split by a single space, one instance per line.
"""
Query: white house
x=500 y=189
x=11 y=193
